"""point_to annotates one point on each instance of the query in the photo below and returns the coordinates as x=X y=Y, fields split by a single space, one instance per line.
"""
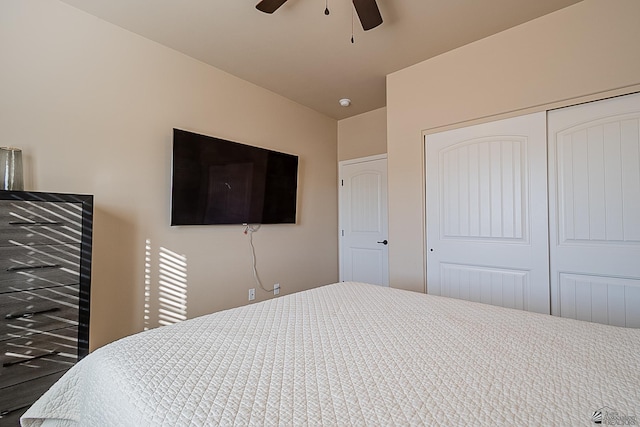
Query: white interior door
x=364 y=253
x=594 y=201
x=487 y=228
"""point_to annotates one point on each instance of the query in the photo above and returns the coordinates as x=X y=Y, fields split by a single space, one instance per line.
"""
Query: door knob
x=384 y=242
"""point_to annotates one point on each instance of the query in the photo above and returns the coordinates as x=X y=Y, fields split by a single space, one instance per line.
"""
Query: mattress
x=355 y=354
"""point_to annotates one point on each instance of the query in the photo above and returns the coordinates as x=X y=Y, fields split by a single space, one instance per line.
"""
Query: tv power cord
x=249 y=230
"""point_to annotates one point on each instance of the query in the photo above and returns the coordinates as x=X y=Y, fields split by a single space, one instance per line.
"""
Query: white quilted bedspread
x=354 y=354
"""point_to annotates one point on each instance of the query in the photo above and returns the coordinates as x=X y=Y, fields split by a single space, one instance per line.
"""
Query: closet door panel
x=486 y=194
x=594 y=203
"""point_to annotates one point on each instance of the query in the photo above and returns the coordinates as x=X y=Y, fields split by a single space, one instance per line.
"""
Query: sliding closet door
x=487 y=228
x=594 y=201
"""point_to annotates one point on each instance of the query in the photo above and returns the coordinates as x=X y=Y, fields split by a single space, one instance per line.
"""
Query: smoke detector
x=345 y=102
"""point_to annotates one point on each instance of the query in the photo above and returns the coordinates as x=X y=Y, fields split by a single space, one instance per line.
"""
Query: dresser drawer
x=42 y=310
x=38 y=222
x=45 y=277
x=32 y=267
x=16 y=399
x=23 y=359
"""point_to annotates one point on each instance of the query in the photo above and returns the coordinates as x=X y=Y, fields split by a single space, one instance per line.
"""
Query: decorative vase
x=11 y=169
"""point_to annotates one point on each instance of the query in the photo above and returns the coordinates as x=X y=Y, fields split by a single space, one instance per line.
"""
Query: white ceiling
x=308 y=57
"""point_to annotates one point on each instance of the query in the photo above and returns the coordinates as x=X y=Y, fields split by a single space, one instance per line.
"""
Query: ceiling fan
x=367 y=10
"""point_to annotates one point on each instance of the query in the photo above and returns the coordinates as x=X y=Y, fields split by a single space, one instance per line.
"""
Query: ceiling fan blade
x=270 y=6
x=368 y=13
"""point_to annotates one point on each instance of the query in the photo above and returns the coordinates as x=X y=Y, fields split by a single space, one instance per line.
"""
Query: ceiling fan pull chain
x=352 y=40
x=326 y=7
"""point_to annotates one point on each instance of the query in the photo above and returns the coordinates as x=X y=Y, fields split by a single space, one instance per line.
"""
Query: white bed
x=355 y=354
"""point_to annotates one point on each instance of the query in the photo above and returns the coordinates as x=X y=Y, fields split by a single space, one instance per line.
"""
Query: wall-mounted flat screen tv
x=215 y=181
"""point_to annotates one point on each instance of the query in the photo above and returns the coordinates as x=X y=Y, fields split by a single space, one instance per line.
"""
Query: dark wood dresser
x=45 y=279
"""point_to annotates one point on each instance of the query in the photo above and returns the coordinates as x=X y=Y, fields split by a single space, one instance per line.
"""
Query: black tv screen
x=215 y=181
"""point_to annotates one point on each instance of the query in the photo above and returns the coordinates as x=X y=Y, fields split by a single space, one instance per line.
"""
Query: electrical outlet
x=276 y=289
x=252 y=294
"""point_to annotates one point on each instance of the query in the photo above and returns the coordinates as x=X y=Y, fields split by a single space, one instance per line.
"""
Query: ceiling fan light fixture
x=345 y=102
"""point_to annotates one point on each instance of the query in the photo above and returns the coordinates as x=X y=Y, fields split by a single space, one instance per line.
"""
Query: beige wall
x=93 y=107
x=363 y=135
x=585 y=51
